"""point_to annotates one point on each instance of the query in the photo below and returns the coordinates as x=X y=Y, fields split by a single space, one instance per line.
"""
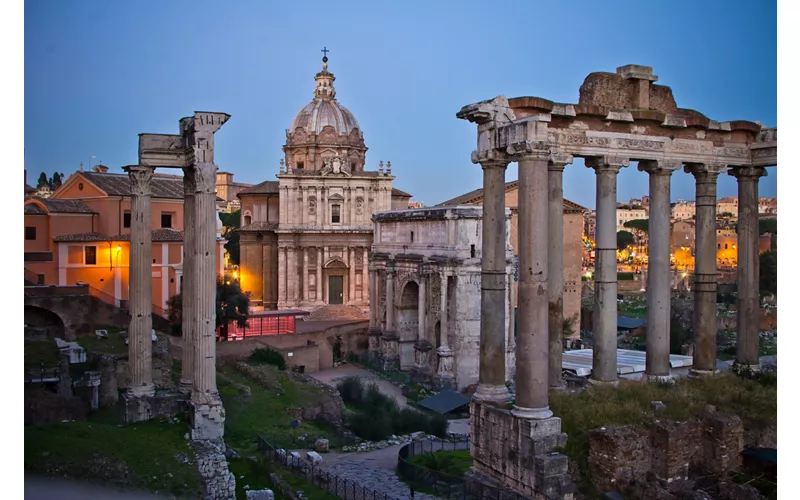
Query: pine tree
x=56 y=181
x=42 y=181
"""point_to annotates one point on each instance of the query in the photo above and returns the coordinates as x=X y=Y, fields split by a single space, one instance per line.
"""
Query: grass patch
x=251 y=473
x=114 y=344
x=754 y=401
x=44 y=351
x=132 y=456
x=265 y=410
x=299 y=483
x=453 y=463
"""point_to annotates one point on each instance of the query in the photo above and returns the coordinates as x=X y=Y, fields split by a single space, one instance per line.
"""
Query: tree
x=232 y=304
x=768 y=226
x=640 y=224
x=768 y=272
x=42 y=181
x=230 y=223
x=56 y=182
x=625 y=239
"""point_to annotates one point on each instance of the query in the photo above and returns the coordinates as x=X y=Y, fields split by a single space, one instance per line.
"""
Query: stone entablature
x=431 y=257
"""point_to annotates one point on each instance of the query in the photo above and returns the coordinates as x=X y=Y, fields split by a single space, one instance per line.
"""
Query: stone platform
x=630 y=364
x=151 y=407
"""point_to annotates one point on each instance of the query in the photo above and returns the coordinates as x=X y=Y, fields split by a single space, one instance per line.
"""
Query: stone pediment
x=335 y=263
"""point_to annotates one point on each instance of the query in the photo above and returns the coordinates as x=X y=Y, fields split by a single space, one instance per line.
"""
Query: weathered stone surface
x=314 y=457
x=321 y=445
x=260 y=495
x=218 y=482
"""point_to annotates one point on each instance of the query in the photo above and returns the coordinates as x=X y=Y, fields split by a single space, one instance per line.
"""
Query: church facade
x=305 y=238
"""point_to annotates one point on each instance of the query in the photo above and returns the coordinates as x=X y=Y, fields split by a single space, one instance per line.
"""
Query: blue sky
x=99 y=73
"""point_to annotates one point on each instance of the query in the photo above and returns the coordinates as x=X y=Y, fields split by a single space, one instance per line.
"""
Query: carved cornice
x=140 y=177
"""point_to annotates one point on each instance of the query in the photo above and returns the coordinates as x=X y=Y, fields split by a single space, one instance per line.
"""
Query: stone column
x=492 y=376
x=531 y=400
x=291 y=276
x=555 y=266
x=389 y=349
x=390 y=272
x=306 y=294
x=351 y=252
x=423 y=276
x=140 y=343
x=188 y=289
x=747 y=311
x=658 y=269
x=373 y=297
x=604 y=353
x=281 y=277
x=445 y=371
x=704 y=360
x=366 y=286
x=318 y=288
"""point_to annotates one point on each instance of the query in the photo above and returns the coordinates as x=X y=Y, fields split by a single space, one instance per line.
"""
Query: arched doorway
x=408 y=324
x=42 y=324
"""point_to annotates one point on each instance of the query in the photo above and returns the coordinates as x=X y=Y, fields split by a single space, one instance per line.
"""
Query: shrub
x=351 y=389
x=437 y=426
x=373 y=427
x=625 y=276
x=268 y=356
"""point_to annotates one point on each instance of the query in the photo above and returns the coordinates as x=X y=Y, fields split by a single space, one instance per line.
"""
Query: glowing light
x=235 y=275
x=119 y=248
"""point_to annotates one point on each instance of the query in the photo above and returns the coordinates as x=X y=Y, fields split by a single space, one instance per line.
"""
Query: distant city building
x=415 y=204
x=628 y=214
x=728 y=207
x=227 y=191
x=768 y=206
x=589 y=224
x=684 y=210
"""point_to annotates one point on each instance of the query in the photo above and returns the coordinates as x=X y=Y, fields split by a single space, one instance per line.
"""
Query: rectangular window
x=166 y=220
x=126 y=220
x=299 y=165
x=90 y=256
x=30 y=233
x=412 y=236
x=335 y=214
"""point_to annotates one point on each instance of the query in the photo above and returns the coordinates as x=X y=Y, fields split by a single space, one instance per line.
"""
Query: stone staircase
x=337 y=313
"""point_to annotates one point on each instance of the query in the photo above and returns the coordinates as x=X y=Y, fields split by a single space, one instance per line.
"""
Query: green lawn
x=453 y=463
x=755 y=402
x=148 y=455
x=114 y=344
x=41 y=352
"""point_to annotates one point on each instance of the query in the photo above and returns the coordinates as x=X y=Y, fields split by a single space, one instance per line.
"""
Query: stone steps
x=336 y=313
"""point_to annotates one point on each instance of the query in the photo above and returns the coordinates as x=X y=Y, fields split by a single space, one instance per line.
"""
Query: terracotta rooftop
x=259 y=226
x=29 y=189
x=160 y=235
x=57 y=206
x=476 y=196
x=163 y=186
x=266 y=187
x=397 y=192
x=81 y=237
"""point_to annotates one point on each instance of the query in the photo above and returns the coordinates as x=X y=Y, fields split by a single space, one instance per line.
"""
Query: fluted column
x=140 y=342
x=492 y=373
x=390 y=272
x=205 y=281
x=373 y=298
x=604 y=352
x=366 y=286
x=555 y=266
x=443 y=325
x=188 y=292
x=291 y=276
x=531 y=398
x=281 y=277
x=747 y=261
x=351 y=295
x=306 y=295
x=423 y=278
x=657 y=366
x=318 y=290
x=704 y=359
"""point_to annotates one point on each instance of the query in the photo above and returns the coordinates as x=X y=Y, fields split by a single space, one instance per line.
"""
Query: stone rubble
x=219 y=482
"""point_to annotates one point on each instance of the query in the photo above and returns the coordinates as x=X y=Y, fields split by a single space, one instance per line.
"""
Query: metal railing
x=319 y=477
x=441 y=484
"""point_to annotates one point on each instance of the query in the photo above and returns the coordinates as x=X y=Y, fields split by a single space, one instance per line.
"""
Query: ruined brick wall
x=669 y=450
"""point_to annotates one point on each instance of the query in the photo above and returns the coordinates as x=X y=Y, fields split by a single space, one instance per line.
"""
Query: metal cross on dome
x=325 y=51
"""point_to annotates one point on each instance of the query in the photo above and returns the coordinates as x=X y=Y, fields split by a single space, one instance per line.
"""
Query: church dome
x=324 y=110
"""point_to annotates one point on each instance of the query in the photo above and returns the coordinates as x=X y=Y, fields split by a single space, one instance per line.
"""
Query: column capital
x=529 y=150
x=140 y=177
x=491 y=159
x=607 y=163
x=558 y=161
x=390 y=271
x=750 y=173
x=205 y=178
x=705 y=171
x=659 y=167
x=189 y=183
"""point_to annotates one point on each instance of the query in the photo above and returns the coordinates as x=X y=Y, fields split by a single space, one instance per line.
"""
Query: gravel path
x=42 y=488
x=377 y=479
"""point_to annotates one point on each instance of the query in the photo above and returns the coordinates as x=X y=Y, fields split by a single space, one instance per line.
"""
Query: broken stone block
x=101 y=334
x=314 y=457
x=658 y=405
x=260 y=495
x=321 y=445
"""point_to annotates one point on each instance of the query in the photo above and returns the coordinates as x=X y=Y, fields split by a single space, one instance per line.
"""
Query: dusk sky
x=99 y=73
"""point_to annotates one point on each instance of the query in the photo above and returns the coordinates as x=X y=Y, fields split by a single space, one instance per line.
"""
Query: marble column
x=390 y=273
x=318 y=280
x=291 y=276
x=445 y=352
x=423 y=278
x=555 y=266
x=188 y=290
x=205 y=282
x=352 y=280
x=747 y=282
x=306 y=294
x=140 y=341
x=704 y=359
x=373 y=298
x=492 y=372
x=366 y=286
x=281 y=277
x=443 y=325
x=531 y=399
x=604 y=352
x=657 y=366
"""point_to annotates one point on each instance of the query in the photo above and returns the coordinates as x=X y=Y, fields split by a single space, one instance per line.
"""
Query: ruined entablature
x=622 y=114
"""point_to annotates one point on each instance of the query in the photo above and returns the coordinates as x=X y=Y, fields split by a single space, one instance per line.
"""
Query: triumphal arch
x=620 y=118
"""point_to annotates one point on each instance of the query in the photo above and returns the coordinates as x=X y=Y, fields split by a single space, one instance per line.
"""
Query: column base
x=144 y=391
x=738 y=367
x=660 y=379
x=604 y=383
x=186 y=386
x=559 y=388
x=207 y=419
x=695 y=373
x=496 y=395
x=142 y=409
x=532 y=413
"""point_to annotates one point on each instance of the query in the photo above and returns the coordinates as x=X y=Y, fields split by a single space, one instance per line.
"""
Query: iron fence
x=317 y=476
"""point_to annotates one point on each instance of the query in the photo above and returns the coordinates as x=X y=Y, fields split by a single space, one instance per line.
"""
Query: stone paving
x=382 y=481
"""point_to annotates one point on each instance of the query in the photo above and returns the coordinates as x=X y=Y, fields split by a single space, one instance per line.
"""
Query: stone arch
x=39 y=320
